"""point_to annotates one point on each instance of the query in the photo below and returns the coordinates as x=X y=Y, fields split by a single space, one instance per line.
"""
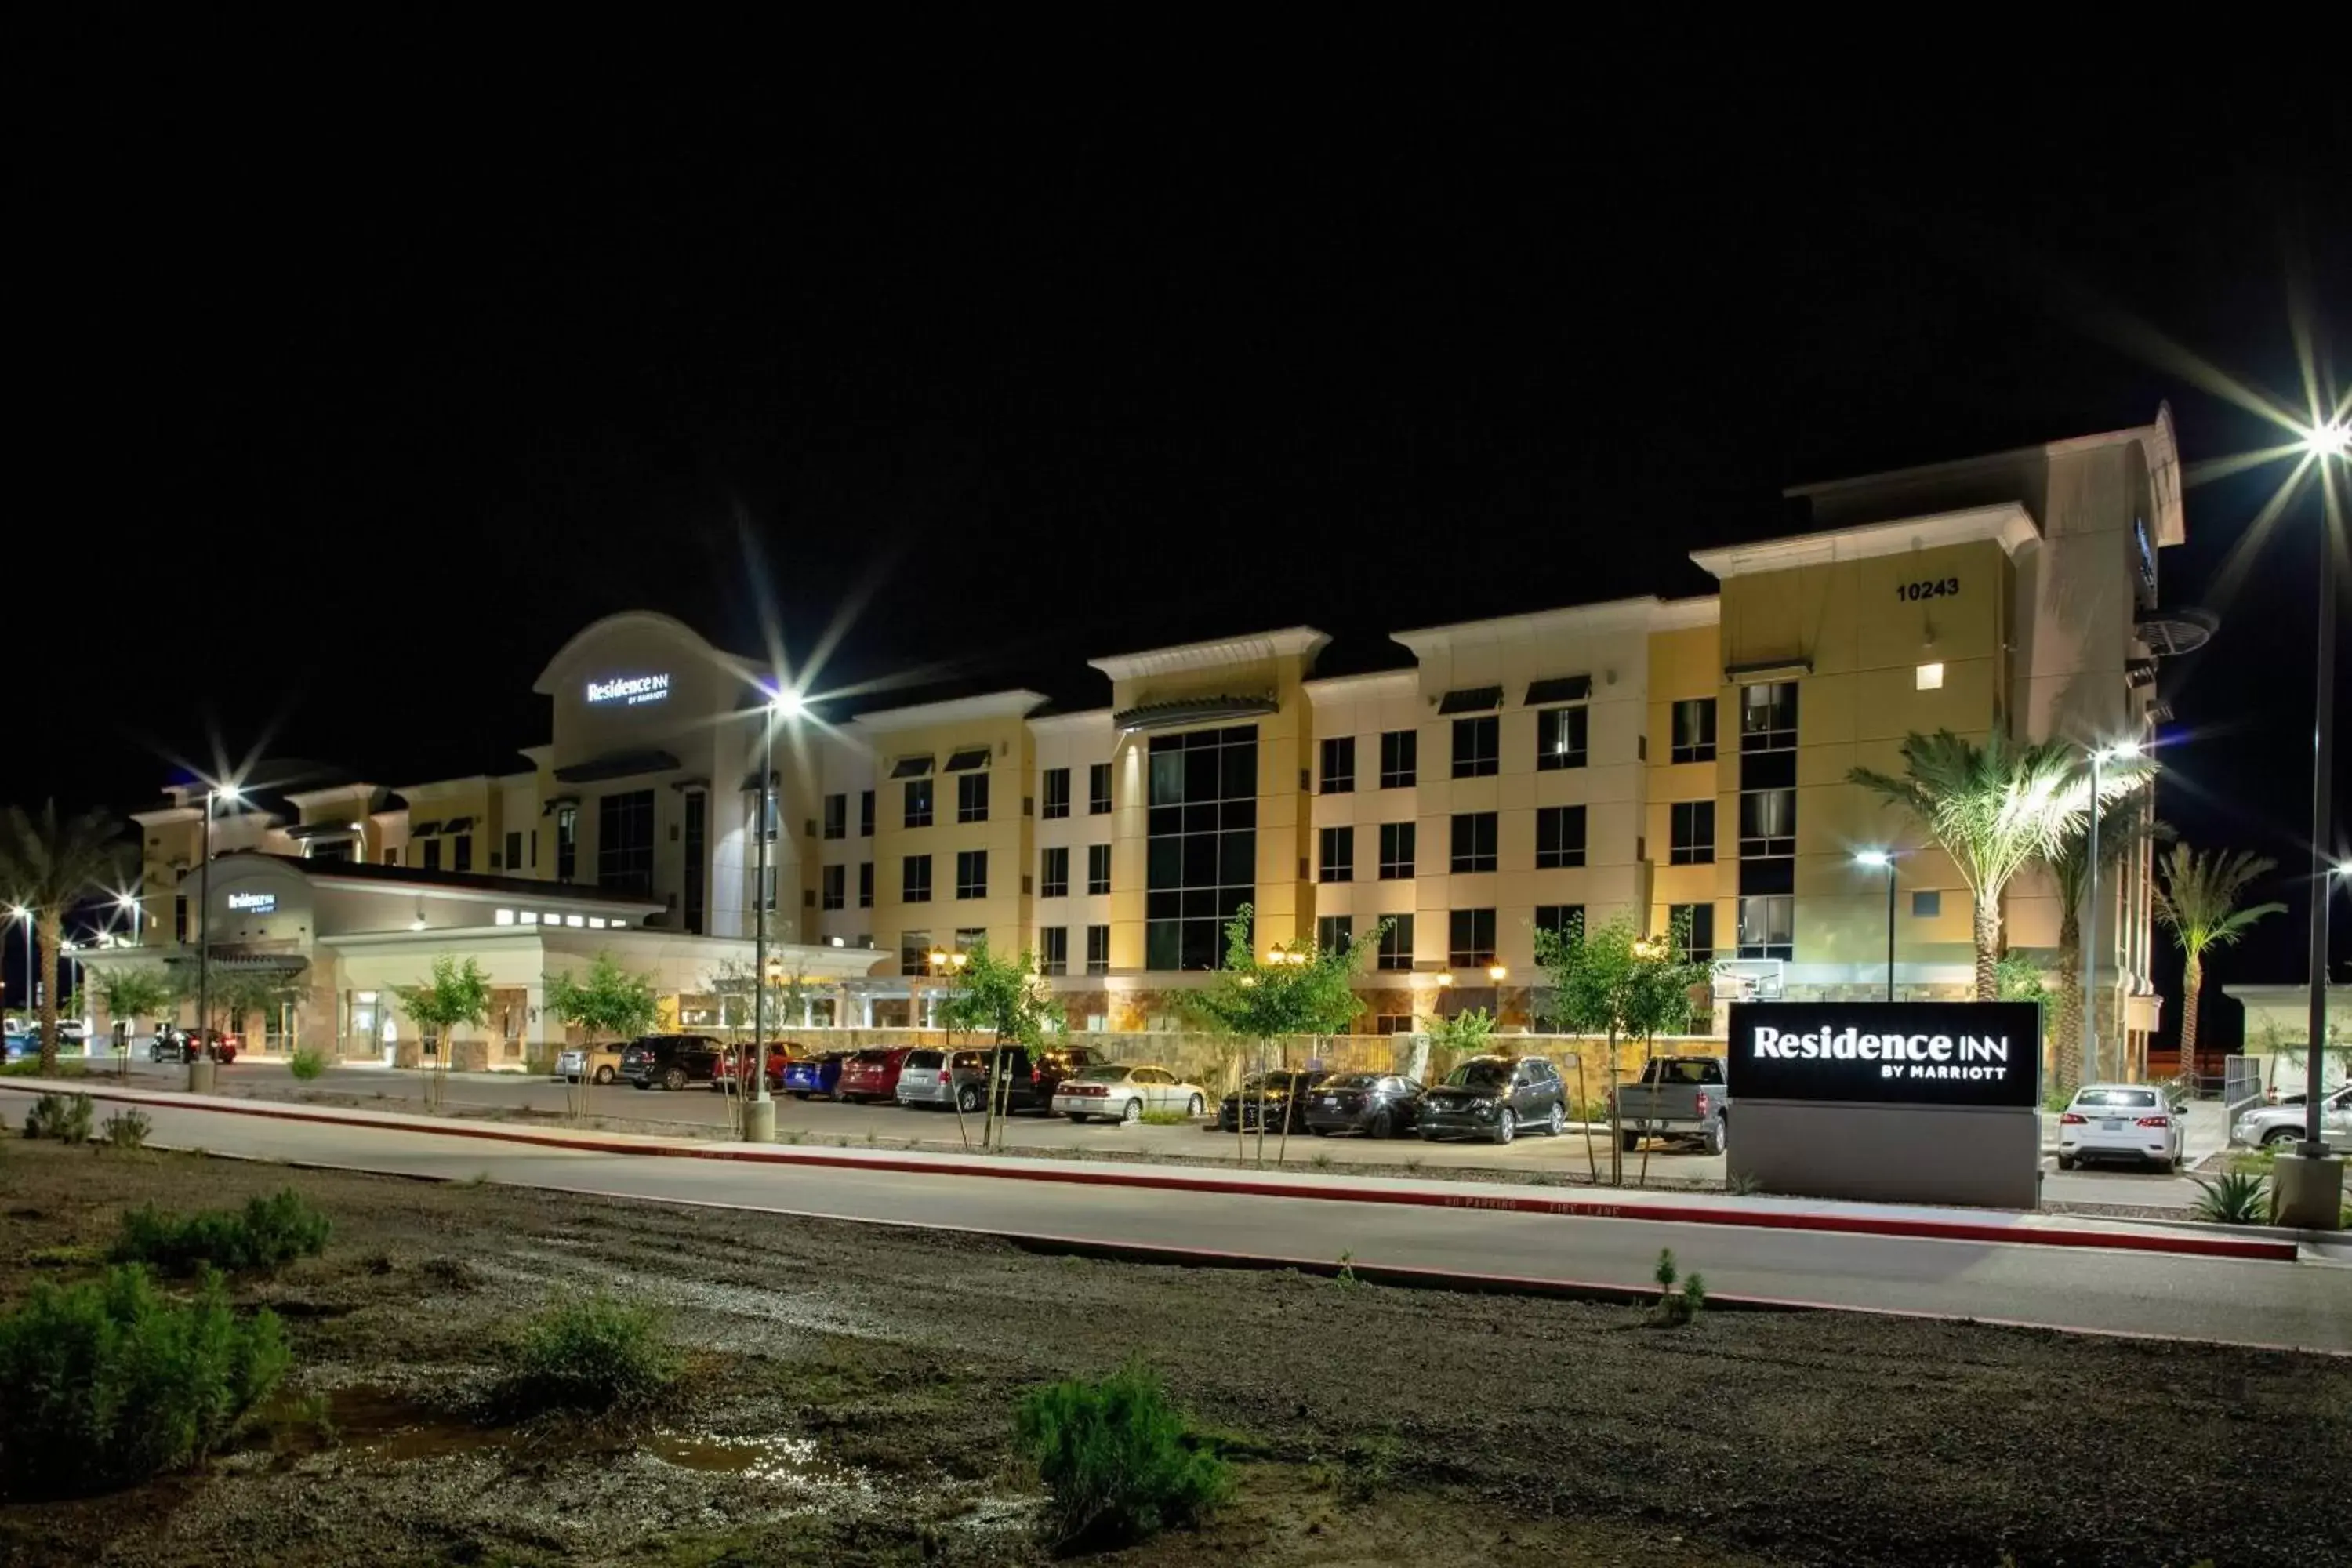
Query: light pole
x=1498 y=974
x=1884 y=860
x=759 y=1115
x=2122 y=750
x=231 y=793
x=19 y=912
x=2331 y=441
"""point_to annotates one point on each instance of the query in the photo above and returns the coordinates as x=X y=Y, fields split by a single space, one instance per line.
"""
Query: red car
x=734 y=1069
x=872 y=1074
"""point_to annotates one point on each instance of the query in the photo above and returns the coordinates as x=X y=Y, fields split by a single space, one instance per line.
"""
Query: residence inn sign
x=1902 y=1053
x=629 y=691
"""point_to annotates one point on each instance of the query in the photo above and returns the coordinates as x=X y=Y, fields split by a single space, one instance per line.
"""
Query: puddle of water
x=770 y=1459
x=390 y=1425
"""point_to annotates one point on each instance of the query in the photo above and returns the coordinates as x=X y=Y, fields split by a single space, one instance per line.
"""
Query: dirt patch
x=849 y=1390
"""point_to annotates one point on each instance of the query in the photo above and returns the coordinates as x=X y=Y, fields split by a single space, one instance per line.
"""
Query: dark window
x=1396 y=944
x=914 y=951
x=1769 y=874
x=1400 y=758
x=866 y=814
x=534 y=850
x=1098 y=789
x=971 y=797
x=1559 y=738
x=1470 y=939
x=1559 y=837
x=1097 y=950
x=1692 y=841
x=1053 y=941
x=836 y=887
x=836 y=817
x=965 y=758
x=1700 y=938
x=514 y=851
x=1768 y=822
x=1097 y=868
x=1768 y=927
x=971 y=873
x=697 y=859
x=915 y=879
x=1473 y=841
x=433 y=854
x=1695 y=730
x=567 y=842
x=625 y=841
x=1767 y=717
x=1562 y=920
x=1396 y=849
x=1333 y=933
x=179 y=917
x=1054 y=872
x=1477 y=746
x=1337 y=857
x=919 y=803
x=1201 y=864
x=1338 y=764
x=461 y=852
x=1057 y=798
x=866 y=884
x=1927 y=904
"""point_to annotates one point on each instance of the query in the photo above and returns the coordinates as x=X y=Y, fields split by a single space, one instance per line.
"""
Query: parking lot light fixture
x=1884 y=860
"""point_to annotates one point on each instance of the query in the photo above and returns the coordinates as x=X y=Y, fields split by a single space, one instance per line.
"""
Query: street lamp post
x=1883 y=859
x=2324 y=442
x=231 y=793
x=760 y=1114
x=20 y=913
x=2100 y=756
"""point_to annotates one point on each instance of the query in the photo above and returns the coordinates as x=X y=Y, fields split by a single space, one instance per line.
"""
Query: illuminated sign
x=629 y=691
x=1887 y=1053
x=253 y=903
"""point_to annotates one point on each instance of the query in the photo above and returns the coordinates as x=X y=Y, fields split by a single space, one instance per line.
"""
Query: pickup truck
x=1677 y=1097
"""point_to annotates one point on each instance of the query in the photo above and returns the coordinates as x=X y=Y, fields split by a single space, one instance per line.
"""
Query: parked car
x=928 y=1078
x=1123 y=1091
x=1376 y=1104
x=1677 y=1097
x=1277 y=1096
x=925 y=1079
x=812 y=1075
x=872 y=1073
x=669 y=1061
x=732 y=1071
x=1493 y=1098
x=185 y=1044
x=2275 y=1124
x=2130 y=1121
x=597 y=1064
x=18 y=1043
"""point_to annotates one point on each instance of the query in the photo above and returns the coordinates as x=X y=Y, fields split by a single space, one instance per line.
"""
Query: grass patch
x=590 y=1355
x=267 y=1233
x=307 y=1064
x=1366 y=1469
x=1119 y=1463
x=65 y=1117
x=30 y=1067
x=64 y=1255
x=110 y=1381
x=1166 y=1118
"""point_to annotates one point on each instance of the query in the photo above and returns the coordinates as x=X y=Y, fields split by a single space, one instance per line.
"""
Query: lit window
x=503 y=917
x=573 y=921
x=1929 y=677
x=529 y=918
x=596 y=922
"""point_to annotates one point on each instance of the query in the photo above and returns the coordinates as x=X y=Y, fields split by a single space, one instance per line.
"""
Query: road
x=2304 y=1304
x=705 y=1113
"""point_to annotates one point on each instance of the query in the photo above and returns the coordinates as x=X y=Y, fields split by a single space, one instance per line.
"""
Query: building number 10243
x=1931 y=588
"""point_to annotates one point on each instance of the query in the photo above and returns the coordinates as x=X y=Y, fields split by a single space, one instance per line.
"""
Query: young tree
x=610 y=1001
x=1994 y=808
x=1618 y=982
x=458 y=994
x=1008 y=998
x=133 y=990
x=2124 y=826
x=46 y=863
x=2197 y=901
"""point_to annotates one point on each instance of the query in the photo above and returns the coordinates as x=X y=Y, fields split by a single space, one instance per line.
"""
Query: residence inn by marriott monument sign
x=1899 y=1102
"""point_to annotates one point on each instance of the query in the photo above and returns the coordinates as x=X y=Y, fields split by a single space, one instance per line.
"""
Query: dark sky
x=341 y=414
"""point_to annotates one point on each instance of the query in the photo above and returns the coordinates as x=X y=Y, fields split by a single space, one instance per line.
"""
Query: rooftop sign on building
x=629 y=691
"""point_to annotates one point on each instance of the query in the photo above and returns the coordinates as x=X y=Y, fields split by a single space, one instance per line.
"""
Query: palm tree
x=2124 y=826
x=1994 y=808
x=2196 y=903
x=47 y=863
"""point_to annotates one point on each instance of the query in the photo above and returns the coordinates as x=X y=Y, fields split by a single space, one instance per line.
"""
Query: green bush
x=66 y=1117
x=30 y=1067
x=1117 y=1458
x=2234 y=1197
x=1676 y=1308
x=110 y=1381
x=1166 y=1118
x=270 y=1233
x=591 y=1355
x=127 y=1129
x=307 y=1064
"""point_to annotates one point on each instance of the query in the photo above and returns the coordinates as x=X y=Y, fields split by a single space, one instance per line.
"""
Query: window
x=763 y=897
x=461 y=852
x=971 y=797
x=1201 y=864
x=567 y=841
x=1054 y=872
x=1691 y=841
x=1473 y=841
x=836 y=887
x=1053 y=941
x=1392 y=1023
x=1396 y=944
x=433 y=854
x=1927 y=904
x=919 y=803
x=392 y=856
x=1699 y=939
x=836 y=817
x=1470 y=939
x=534 y=851
x=624 y=840
x=1097 y=868
x=1334 y=932
x=915 y=879
x=180 y=918
x=866 y=814
x=866 y=884
x=514 y=851
x=1565 y=920
x=1768 y=823
x=1057 y=798
x=1477 y=746
x=1767 y=717
x=968 y=937
x=1927 y=678
x=914 y=951
x=1559 y=738
x=1695 y=730
x=1098 y=789
x=1768 y=927
x=1339 y=765
x=971 y=873
x=1559 y=837
x=1400 y=758
x=1097 y=950
x=1396 y=850
x=1336 y=861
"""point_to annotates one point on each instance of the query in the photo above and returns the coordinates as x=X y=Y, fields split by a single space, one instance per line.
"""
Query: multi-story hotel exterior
x=1645 y=758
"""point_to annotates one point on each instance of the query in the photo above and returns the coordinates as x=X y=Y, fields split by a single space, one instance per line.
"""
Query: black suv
x=1034 y=1076
x=1493 y=1098
x=670 y=1061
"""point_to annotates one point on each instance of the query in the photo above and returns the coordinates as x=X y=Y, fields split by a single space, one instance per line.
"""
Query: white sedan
x=1120 y=1091
x=2119 y=1121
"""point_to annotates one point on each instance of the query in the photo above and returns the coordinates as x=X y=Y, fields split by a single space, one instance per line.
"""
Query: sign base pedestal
x=2309 y=1192
x=200 y=1077
x=759 y=1122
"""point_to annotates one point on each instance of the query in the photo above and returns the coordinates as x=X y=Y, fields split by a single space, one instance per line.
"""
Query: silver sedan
x=1123 y=1091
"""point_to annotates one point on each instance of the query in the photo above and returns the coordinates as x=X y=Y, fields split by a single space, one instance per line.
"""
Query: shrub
x=1675 y=1306
x=127 y=1129
x=30 y=1067
x=2234 y=1197
x=1117 y=1458
x=307 y=1064
x=110 y=1381
x=591 y=1356
x=270 y=1233
x=1166 y=1118
x=1366 y=1468
x=60 y=1116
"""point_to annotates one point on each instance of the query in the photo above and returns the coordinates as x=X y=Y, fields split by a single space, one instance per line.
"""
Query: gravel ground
x=850 y=1387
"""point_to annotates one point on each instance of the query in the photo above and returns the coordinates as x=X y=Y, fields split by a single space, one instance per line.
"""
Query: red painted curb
x=2250 y=1248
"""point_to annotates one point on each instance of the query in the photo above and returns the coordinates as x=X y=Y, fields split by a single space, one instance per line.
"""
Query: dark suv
x=670 y=1061
x=1493 y=1098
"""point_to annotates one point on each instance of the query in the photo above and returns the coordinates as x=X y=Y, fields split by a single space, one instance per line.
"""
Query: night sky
x=344 y=415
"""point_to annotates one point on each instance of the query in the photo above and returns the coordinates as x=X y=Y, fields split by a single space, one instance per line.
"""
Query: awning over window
x=458 y=824
x=424 y=829
x=751 y=782
x=911 y=767
x=303 y=831
x=550 y=806
x=1770 y=669
x=963 y=761
x=1471 y=700
x=1177 y=714
x=618 y=765
x=1560 y=688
